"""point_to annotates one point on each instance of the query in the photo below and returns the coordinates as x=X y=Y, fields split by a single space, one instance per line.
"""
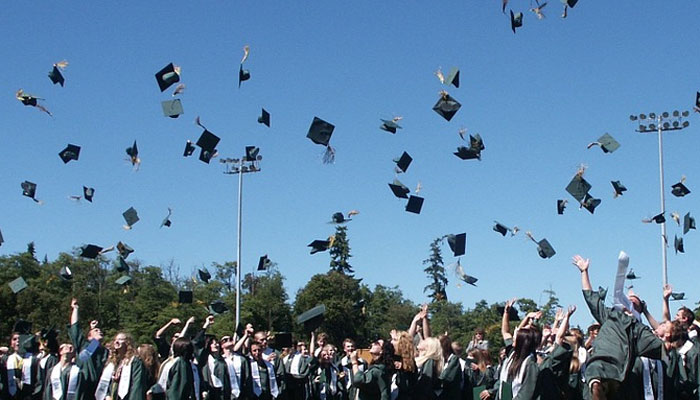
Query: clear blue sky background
x=537 y=98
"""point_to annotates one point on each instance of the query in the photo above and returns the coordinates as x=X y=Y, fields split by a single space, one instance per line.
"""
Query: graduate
x=478 y=374
x=555 y=365
x=12 y=371
x=49 y=348
x=182 y=381
x=262 y=373
x=297 y=370
x=430 y=363
x=345 y=366
x=91 y=355
x=157 y=390
x=124 y=377
x=215 y=376
x=325 y=381
x=151 y=363
x=64 y=378
x=451 y=375
x=30 y=386
x=375 y=382
x=403 y=380
x=237 y=367
x=478 y=341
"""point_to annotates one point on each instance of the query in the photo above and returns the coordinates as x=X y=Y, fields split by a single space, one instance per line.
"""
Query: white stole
x=11 y=366
x=296 y=360
x=27 y=369
x=195 y=373
x=394 y=387
x=348 y=370
x=646 y=379
x=124 y=378
x=234 y=372
x=57 y=386
x=211 y=364
x=685 y=349
x=517 y=380
x=105 y=379
x=255 y=373
x=162 y=384
x=333 y=383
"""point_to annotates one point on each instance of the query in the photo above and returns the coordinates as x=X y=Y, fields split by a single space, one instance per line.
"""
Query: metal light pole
x=248 y=163
x=659 y=124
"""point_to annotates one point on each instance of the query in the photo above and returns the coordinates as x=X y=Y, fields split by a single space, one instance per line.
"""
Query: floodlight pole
x=663 y=124
x=239 y=166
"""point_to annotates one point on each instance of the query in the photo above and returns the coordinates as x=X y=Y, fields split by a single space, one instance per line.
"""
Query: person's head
x=477 y=358
x=327 y=352
x=430 y=349
x=578 y=335
x=332 y=350
x=486 y=357
x=226 y=343
x=382 y=354
x=457 y=348
x=302 y=348
x=256 y=351
x=94 y=333
x=685 y=316
x=211 y=344
x=148 y=354
x=404 y=349
x=524 y=344
x=502 y=354
x=14 y=342
x=261 y=338
x=479 y=334
x=184 y=348
x=66 y=352
x=446 y=345
x=593 y=330
x=322 y=339
x=122 y=347
x=673 y=333
x=348 y=346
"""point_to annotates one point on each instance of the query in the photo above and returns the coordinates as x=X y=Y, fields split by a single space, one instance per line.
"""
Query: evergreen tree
x=436 y=272
x=340 y=251
x=550 y=307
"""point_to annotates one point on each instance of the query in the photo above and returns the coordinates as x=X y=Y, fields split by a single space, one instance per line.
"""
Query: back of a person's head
x=688 y=315
x=446 y=345
x=677 y=334
x=183 y=347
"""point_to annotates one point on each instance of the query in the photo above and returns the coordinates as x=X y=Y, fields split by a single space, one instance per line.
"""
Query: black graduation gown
x=451 y=379
x=297 y=386
x=427 y=382
x=406 y=384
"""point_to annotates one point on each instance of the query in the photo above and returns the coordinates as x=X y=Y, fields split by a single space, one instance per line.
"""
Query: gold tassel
x=246 y=52
x=61 y=64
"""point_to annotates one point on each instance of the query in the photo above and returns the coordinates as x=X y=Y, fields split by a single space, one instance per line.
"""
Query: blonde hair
x=404 y=348
x=433 y=351
x=128 y=354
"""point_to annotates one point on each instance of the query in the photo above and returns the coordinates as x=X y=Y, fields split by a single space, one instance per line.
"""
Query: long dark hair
x=386 y=357
x=183 y=347
x=526 y=342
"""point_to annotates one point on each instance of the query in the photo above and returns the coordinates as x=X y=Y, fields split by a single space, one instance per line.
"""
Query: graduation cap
x=65 y=273
x=131 y=217
x=561 y=205
x=88 y=193
x=607 y=143
x=123 y=266
x=243 y=75
x=166 y=220
x=390 y=125
x=90 y=251
x=470 y=280
x=189 y=149
x=678 y=296
x=403 y=162
x=446 y=106
x=320 y=132
x=263 y=263
x=172 y=108
x=544 y=248
x=312 y=318
x=22 y=327
x=123 y=280
x=512 y=313
x=339 y=218
x=659 y=219
x=679 y=189
x=697 y=102
x=631 y=275
x=124 y=250
x=252 y=153
x=590 y=203
x=578 y=187
x=207 y=142
x=688 y=223
x=55 y=74
x=71 y=152
x=184 y=297
x=319 y=245
x=399 y=189
x=1 y=239
x=516 y=20
x=282 y=340
x=570 y=3
x=500 y=228
x=29 y=343
x=457 y=243
x=217 y=307
x=618 y=187
x=453 y=77
x=29 y=190
x=30 y=100
x=474 y=149
x=414 y=205
x=678 y=244
x=49 y=334
x=18 y=285
x=204 y=275
x=167 y=76
x=264 y=118
x=133 y=153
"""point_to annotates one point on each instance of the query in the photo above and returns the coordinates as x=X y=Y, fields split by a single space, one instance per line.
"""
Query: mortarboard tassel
x=440 y=76
x=179 y=89
x=61 y=64
x=329 y=155
x=246 y=52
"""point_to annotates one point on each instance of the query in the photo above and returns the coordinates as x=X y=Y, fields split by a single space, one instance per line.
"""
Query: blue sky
x=537 y=98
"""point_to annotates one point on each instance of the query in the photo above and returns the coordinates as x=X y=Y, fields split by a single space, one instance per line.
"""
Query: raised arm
x=564 y=327
x=529 y=317
x=74 y=311
x=426 y=321
x=312 y=344
x=666 y=310
x=414 y=324
x=582 y=265
x=243 y=339
x=189 y=323
x=652 y=321
x=165 y=327
x=505 y=322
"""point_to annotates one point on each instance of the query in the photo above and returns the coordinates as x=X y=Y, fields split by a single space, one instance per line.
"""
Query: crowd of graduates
x=619 y=357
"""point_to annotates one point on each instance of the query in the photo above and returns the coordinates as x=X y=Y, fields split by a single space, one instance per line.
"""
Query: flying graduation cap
x=339 y=218
x=544 y=248
x=679 y=189
x=512 y=312
x=71 y=152
x=31 y=101
x=390 y=125
x=476 y=144
x=677 y=296
x=320 y=132
x=217 y=307
x=88 y=193
x=399 y=189
x=243 y=74
x=131 y=217
x=453 y=77
x=502 y=229
x=263 y=263
x=578 y=187
x=312 y=319
x=189 y=149
x=459 y=271
x=17 y=285
x=166 y=220
x=204 y=275
x=618 y=187
x=66 y=274
x=688 y=223
x=561 y=205
x=172 y=108
x=415 y=204
x=631 y=275
x=91 y=251
x=2 y=240
x=123 y=266
x=607 y=143
x=55 y=74
x=516 y=20
x=320 y=245
x=403 y=162
x=185 y=297
x=207 y=143
x=678 y=244
x=133 y=153
x=658 y=218
x=457 y=243
x=590 y=203
x=29 y=190
x=168 y=76
x=124 y=250
x=264 y=118
x=446 y=106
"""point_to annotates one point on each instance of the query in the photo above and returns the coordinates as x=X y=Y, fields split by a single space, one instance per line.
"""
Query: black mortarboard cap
x=49 y=333
x=469 y=279
x=697 y=101
x=399 y=189
x=453 y=77
x=88 y=193
x=123 y=266
x=251 y=153
x=123 y=280
x=166 y=221
x=457 y=243
x=319 y=245
x=500 y=228
x=90 y=251
x=414 y=205
x=389 y=125
x=263 y=263
x=282 y=340
x=29 y=189
x=65 y=273
x=320 y=131
x=1 y=239
x=561 y=205
x=516 y=20
x=658 y=218
x=130 y=216
x=404 y=161
x=446 y=106
x=678 y=244
x=71 y=152
x=208 y=140
x=172 y=108
x=679 y=190
x=29 y=343
x=688 y=223
x=243 y=75
x=544 y=249
x=124 y=250
x=184 y=297
x=618 y=187
x=22 y=327
x=133 y=153
x=189 y=149
x=512 y=313
x=571 y=3
x=18 y=285
x=167 y=76
x=339 y=218
x=204 y=275
x=206 y=155
x=467 y=153
x=312 y=318
x=217 y=307
x=678 y=296
x=590 y=203
x=631 y=275
x=264 y=118
x=56 y=76
x=608 y=143
x=578 y=187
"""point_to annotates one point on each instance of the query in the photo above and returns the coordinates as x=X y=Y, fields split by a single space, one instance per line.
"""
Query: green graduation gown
x=180 y=381
x=90 y=367
x=374 y=383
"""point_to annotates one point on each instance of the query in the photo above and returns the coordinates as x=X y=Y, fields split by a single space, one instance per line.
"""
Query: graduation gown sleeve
x=180 y=381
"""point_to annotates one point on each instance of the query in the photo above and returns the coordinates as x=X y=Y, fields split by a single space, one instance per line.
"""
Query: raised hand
x=581 y=263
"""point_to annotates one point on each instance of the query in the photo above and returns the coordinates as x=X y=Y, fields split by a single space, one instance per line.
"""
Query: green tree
x=340 y=251
x=549 y=308
x=267 y=307
x=436 y=272
x=385 y=309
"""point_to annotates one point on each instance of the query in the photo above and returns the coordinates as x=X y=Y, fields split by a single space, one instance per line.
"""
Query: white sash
x=646 y=379
x=517 y=380
x=11 y=378
x=124 y=378
x=162 y=384
x=105 y=379
x=333 y=383
x=57 y=386
x=195 y=374
x=394 y=387
x=685 y=349
x=296 y=360
x=255 y=373
x=348 y=370
x=27 y=369
x=211 y=363
x=234 y=373
x=42 y=362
